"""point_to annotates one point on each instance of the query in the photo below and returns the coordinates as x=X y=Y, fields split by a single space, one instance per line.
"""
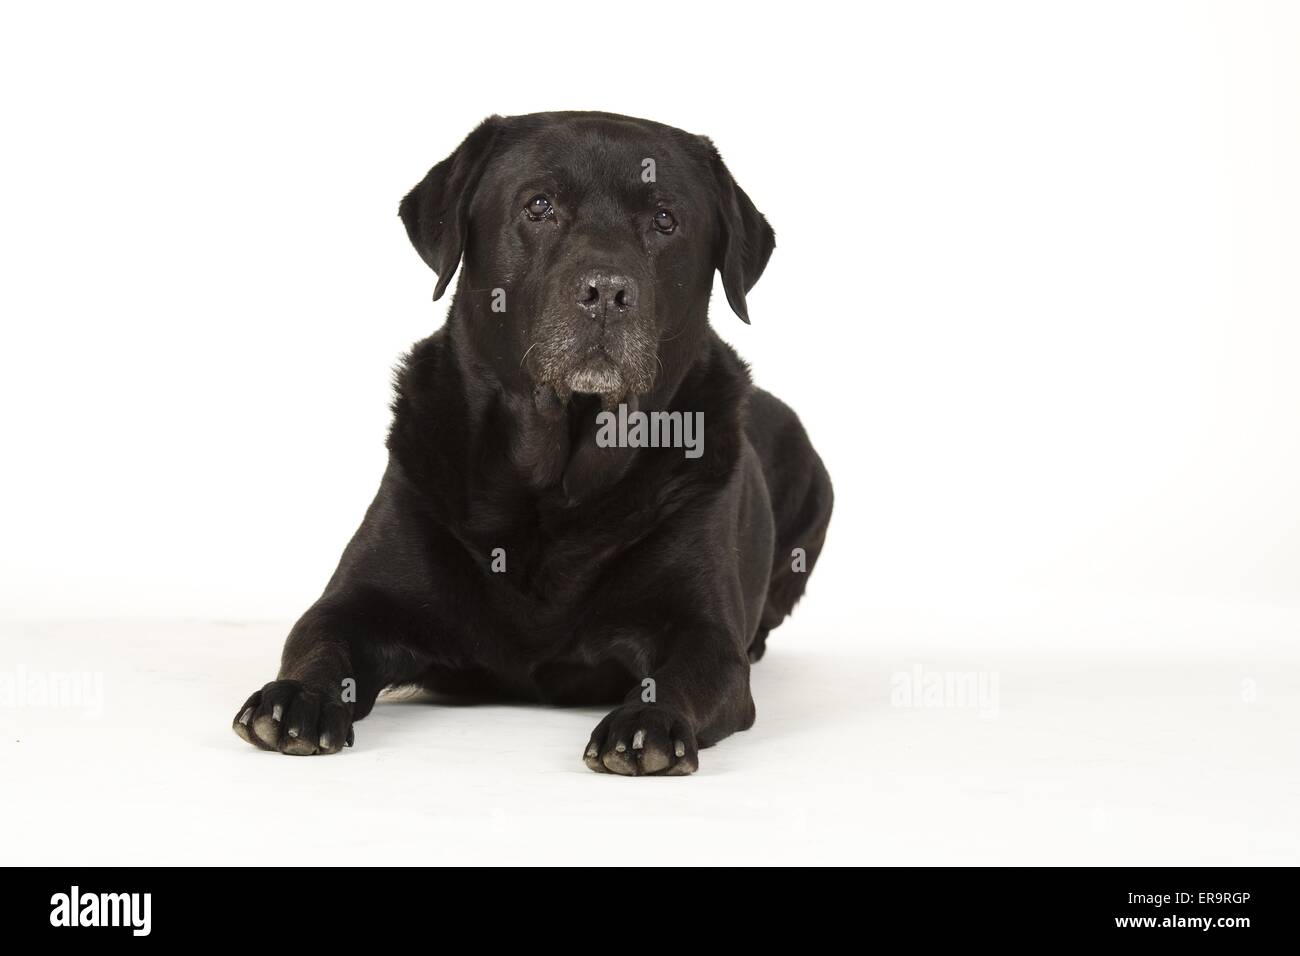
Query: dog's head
x=589 y=242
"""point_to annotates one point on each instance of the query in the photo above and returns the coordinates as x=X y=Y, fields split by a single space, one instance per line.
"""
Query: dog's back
x=802 y=498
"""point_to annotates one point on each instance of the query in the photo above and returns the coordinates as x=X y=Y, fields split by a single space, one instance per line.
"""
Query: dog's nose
x=600 y=291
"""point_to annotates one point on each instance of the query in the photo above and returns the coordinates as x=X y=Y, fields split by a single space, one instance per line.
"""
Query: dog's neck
x=469 y=444
x=553 y=443
x=551 y=435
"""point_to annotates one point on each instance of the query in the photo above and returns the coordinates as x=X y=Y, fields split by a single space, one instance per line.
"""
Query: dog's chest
x=549 y=571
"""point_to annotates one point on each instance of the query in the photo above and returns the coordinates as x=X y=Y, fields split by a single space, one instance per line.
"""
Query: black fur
x=620 y=564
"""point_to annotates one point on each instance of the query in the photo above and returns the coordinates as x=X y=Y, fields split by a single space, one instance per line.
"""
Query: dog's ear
x=746 y=240
x=436 y=211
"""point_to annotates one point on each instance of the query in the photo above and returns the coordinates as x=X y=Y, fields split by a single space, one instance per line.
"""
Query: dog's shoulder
x=718 y=386
x=430 y=427
x=419 y=376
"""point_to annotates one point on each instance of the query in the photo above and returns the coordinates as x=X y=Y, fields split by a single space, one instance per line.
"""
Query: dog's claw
x=591 y=757
x=296 y=719
x=663 y=743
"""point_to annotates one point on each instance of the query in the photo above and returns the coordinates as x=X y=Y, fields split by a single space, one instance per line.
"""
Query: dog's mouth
x=596 y=374
x=578 y=358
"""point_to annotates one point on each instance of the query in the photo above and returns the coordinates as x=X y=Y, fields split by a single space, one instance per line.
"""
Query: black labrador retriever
x=586 y=499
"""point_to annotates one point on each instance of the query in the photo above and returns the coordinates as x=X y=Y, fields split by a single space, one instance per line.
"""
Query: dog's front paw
x=642 y=740
x=292 y=718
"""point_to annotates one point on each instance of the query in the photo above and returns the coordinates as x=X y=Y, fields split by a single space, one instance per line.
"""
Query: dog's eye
x=539 y=208
x=665 y=221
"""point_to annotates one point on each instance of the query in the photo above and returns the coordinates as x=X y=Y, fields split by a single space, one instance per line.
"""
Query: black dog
x=520 y=544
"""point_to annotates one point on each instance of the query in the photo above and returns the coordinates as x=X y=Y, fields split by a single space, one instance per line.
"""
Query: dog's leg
x=364 y=634
x=338 y=657
x=698 y=697
x=802 y=498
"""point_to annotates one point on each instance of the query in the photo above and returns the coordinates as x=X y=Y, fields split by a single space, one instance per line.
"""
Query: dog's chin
x=599 y=375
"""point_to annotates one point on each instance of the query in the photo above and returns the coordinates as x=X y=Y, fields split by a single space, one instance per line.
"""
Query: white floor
x=1168 y=735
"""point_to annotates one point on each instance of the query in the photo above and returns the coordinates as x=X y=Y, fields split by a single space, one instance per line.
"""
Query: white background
x=1034 y=296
